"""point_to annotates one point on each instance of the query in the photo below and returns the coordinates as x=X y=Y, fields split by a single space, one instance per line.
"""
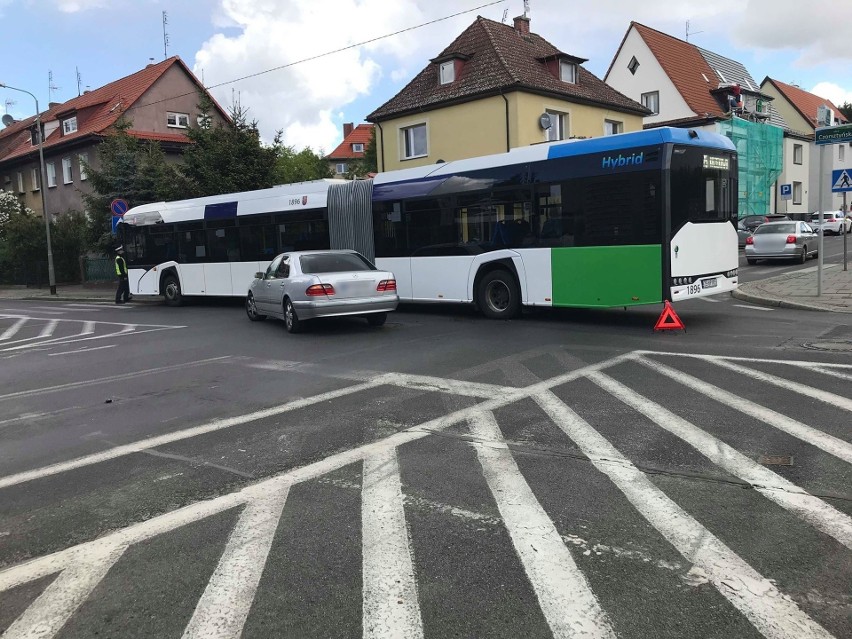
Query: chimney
x=50 y=105
x=522 y=26
x=347 y=129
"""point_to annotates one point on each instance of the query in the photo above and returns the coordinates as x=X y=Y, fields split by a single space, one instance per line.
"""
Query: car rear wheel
x=751 y=261
x=251 y=310
x=291 y=320
x=377 y=319
x=804 y=256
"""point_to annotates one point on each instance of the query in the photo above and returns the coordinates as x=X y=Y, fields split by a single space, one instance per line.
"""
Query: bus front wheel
x=497 y=295
x=171 y=291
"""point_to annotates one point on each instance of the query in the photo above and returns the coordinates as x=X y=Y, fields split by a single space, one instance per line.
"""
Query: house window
x=613 y=127
x=798 y=151
x=633 y=65
x=20 y=182
x=568 y=72
x=797 y=192
x=83 y=157
x=841 y=150
x=51 y=175
x=357 y=147
x=177 y=120
x=414 y=141
x=558 y=126
x=36 y=179
x=340 y=168
x=66 y=170
x=651 y=101
x=69 y=125
x=448 y=72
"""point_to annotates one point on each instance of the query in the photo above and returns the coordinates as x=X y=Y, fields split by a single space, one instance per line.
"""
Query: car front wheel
x=251 y=310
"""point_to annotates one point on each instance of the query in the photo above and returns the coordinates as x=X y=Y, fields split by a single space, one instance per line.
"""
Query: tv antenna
x=689 y=33
x=50 y=86
x=165 y=36
x=505 y=15
x=9 y=103
x=526 y=8
x=79 y=80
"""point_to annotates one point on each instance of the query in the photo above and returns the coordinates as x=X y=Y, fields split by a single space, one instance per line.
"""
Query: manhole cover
x=831 y=345
x=776 y=460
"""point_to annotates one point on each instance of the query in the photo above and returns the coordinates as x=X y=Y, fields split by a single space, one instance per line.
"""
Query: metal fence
x=98 y=269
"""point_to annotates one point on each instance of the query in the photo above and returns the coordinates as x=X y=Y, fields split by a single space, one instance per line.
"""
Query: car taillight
x=749 y=240
x=386 y=285
x=791 y=239
x=319 y=289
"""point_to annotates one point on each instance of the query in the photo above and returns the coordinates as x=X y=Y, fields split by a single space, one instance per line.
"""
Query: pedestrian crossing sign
x=841 y=180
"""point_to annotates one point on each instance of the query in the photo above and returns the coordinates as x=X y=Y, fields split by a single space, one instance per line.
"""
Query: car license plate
x=709 y=283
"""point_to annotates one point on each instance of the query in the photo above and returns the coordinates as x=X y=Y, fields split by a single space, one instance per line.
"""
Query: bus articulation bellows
x=621 y=220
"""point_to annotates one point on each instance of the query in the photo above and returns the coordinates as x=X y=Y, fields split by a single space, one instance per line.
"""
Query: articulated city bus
x=621 y=220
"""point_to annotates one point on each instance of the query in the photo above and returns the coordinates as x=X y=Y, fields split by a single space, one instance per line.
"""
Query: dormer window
x=69 y=126
x=448 y=72
x=568 y=71
x=357 y=147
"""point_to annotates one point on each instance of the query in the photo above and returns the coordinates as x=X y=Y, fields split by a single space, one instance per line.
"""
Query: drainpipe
x=506 y=100
x=382 y=131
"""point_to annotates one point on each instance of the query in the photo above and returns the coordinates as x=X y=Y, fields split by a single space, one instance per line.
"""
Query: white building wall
x=649 y=77
x=790 y=174
x=831 y=201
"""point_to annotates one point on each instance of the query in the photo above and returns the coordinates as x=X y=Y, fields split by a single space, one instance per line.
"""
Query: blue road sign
x=841 y=180
x=118 y=207
x=116 y=219
x=786 y=191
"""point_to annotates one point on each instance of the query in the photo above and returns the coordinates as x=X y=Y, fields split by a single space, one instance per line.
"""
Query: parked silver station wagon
x=782 y=240
x=304 y=285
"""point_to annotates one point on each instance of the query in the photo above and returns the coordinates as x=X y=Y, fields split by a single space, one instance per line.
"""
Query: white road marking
x=754 y=308
x=774 y=614
x=826 y=371
x=111 y=379
x=709 y=299
x=223 y=609
x=16 y=311
x=47 y=331
x=47 y=614
x=565 y=597
x=82 y=350
x=756 y=360
x=832 y=399
x=390 y=605
x=786 y=494
x=830 y=444
x=78 y=338
x=14 y=328
x=454 y=386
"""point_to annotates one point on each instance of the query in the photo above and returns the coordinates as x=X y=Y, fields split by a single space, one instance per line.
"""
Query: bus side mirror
x=259 y=275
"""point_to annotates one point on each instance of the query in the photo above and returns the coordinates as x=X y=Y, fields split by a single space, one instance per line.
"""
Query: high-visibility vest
x=120 y=269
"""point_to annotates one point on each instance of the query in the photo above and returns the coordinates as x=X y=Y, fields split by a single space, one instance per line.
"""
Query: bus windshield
x=703 y=186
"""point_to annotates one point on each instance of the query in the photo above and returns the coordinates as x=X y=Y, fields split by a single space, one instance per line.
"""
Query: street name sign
x=833 y=134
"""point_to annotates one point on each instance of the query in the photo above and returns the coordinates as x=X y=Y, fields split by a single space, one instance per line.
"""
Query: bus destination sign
x=716 y=162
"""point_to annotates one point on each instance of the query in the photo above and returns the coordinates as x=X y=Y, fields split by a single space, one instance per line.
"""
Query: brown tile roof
x=804 y=102
x=500 y=60
x=686 y=67
x=361 y=134
x=96 y=112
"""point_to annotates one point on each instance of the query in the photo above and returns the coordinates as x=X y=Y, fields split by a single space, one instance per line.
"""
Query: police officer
x=122 y=295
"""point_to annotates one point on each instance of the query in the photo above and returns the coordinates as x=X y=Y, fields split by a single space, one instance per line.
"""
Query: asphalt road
x=832 y=254
x=184 y=472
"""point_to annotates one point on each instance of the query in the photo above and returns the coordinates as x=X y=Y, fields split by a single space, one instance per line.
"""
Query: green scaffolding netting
x=760 y=149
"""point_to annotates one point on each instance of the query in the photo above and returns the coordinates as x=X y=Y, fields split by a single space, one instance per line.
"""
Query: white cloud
x=830 y=91
x=73 y=6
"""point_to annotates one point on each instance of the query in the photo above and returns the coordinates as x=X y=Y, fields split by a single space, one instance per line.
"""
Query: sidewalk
x=67 y=293
x=798 y=290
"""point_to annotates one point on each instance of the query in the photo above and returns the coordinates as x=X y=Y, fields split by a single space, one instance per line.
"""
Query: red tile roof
x=361 y=134
x=96 y=112
x=804 y=102
x=686 y=67
x=499 y=59
x=159 y=137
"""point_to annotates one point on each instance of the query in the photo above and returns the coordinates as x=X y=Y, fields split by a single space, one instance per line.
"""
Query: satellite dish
x=544 y=121
x=8 y=120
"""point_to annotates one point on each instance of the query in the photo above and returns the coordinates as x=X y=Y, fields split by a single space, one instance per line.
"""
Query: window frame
x=82 y=157
x=20 y=182
x=798 y=150
x=447 y=72
x=35 y=174
x=841 y=152
x=644 y=101
x=618 y=128
x=337 y=168
x=67 y=175
x=571 y=67
x=357 y=147
x=633 y=65
x=408 y=141
x=50 y=167
x=177 y=117
x=795 y=189
x=560 y=123
x=67 y=125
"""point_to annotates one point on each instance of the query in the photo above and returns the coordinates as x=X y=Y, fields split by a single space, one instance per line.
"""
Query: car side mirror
x=259 y=275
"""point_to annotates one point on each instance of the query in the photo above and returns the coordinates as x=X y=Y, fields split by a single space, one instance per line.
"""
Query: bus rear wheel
x=171 y=291
x=497 y=295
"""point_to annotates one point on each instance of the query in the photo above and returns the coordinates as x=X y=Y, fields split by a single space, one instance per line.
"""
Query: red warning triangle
x=669 y=321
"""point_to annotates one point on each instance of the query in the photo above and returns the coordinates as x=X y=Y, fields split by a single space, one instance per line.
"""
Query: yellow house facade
x=495 y=88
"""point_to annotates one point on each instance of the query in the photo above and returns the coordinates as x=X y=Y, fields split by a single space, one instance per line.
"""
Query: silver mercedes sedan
x=778 y=240
x=304 y=285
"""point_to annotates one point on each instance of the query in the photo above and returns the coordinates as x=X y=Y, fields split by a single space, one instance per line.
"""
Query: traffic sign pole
x=843 y=230
x=821 y=220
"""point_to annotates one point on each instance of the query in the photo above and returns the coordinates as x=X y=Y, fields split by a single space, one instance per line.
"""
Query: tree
x=226 y=158
x=298 y=166
x=128 y=168
x=846 y=110
x=22 y=239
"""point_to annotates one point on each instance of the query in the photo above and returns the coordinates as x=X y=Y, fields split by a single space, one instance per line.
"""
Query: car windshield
x=775 y=228
x=334 y=263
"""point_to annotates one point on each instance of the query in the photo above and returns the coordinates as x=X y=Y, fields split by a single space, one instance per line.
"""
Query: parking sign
x=786 y=191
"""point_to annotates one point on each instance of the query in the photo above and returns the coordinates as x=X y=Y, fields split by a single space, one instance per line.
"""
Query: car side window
x=270 y=271
x=283 y=268
x=806 y=228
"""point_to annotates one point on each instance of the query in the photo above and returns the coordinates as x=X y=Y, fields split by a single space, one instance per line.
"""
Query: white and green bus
x=616 y=221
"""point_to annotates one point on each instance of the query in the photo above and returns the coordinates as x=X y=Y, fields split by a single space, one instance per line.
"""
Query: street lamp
x=43 y=187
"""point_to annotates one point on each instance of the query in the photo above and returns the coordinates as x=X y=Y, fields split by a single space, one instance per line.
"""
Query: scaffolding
x=760 y=148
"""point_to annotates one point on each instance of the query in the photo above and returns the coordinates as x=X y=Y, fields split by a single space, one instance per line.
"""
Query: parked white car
x=833 y=222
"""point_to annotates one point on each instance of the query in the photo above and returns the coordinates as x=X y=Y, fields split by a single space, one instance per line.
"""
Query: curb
x=781 y=303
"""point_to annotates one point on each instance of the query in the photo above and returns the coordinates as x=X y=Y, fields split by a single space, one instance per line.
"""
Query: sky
x=223 y=40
